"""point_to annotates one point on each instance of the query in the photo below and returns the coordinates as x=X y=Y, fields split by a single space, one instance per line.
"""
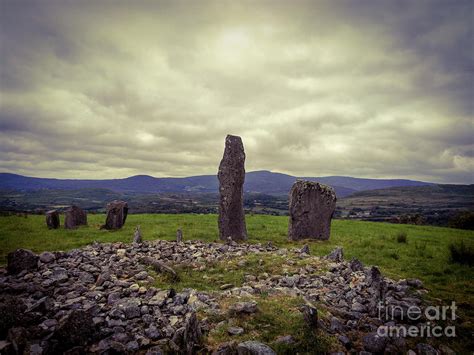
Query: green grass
x=426 y=255
x=232 y=271
x=276 y=316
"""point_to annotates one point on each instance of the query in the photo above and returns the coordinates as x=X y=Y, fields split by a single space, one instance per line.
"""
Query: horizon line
x=247 y=172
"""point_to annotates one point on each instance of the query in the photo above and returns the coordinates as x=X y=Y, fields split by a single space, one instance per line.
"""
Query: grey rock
x=290 y=281
x=113 y=297
x=228 y=348
x=336 y=325
x=142 y=275
x=103 y=278
x=34 y=349
x=121 y=337
x=47 y=257
x=252 y=347
x=244 y=307
x=59 y=274
x=155 y=350
x=5 y=347
x=74 y=329
x=336 y=255
x=358 y=307
x=86 y=277
x=374 y=343
x=415 y=283
x=356 y=265
x=18 y=337
x=231 y=177
x=48 y=323
x=124 y=312
x=179 y=236
x=137 y=235
x=192 y=336
x=426 y=349
x=160 y=298
x=97 y=320
x=305 y=249
x=310 y=315
x=75 y=217
x=374 y=276
x=235 y=330
x=152 y=332
x=130 y=307
x=144 y=310
x=52 y=219
x=12 y=313
x=117 y=212
x=21 y=260
x=444 y=349
x=132 y=346
x=311 y=209
x=377 y=285
x=345 y=341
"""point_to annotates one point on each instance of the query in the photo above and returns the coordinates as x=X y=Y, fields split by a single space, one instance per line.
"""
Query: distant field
x=437 y=205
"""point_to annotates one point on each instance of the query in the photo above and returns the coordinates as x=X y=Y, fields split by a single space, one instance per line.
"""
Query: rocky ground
x=102 y=299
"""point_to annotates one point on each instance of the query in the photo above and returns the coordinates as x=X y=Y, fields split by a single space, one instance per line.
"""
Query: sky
x=109 y=89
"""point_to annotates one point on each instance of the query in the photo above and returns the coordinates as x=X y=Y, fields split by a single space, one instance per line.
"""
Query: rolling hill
x=264 y=182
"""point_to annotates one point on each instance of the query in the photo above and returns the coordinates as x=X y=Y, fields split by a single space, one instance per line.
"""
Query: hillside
x=431 y=204
x=264 y=182
x=434 y=204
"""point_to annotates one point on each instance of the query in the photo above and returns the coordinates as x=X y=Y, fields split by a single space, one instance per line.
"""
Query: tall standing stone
x=116 y=214
x=52 y=219
x=312 y=206
x=75 y=217
x=231 y=182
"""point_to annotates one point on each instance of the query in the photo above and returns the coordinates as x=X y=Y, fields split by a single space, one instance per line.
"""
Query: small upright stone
x=75 y=217
x=310 y=314
x=305 y=249
x=52 y=219
x=337 y=255
x=311 y=209
x=192 y=333
x=179 y=235
x=116 y=214
x=137 y=235
x=231 y=177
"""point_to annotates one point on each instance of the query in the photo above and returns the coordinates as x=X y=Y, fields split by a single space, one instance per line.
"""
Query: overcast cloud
x=108 y=89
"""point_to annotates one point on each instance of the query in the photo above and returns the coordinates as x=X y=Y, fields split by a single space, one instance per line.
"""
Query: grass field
x=424 y=254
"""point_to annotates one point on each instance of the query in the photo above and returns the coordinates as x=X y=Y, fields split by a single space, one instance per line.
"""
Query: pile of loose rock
x=100 y=299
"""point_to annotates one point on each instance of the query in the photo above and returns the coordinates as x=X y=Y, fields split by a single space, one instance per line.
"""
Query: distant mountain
x=264 y=182
x=360 y=184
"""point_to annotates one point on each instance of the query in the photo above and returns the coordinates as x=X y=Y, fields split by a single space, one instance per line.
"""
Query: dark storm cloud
x=362 y=88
